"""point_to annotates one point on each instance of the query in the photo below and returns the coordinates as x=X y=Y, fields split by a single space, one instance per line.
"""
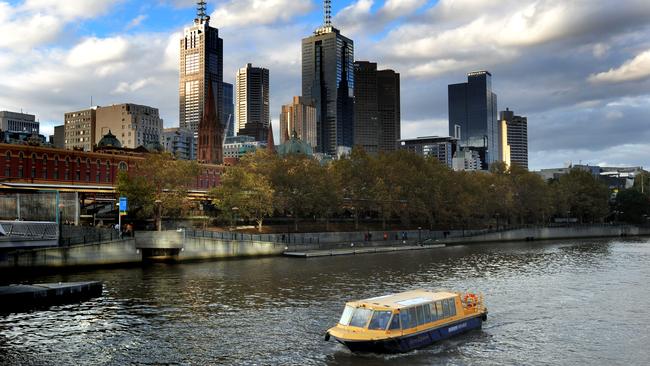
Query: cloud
x=258 y=12
x=358 y=19
x=97 y=51
x=637 y=68
x=125 y=87
x=136 y=21
x=37 y=22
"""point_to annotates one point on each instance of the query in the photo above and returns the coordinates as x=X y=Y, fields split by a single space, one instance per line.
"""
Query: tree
x=633 y=206
x=355 y=180
x=244 y=192
x=157 y=186
x=583 y=196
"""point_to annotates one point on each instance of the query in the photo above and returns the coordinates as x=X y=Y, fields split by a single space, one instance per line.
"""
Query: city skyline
x=586 y=93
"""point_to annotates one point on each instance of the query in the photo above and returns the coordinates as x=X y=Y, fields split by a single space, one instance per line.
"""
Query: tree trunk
x=295 y=223
x=356 y=220
x=259 y=225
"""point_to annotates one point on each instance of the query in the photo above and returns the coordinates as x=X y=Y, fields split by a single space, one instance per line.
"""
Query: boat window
x=413 y=318
x=347 y=315
x=420 y=311
x=445 y=308
x=379 y=320
x=404 y=318
x=439 y=309
x=394 y=323
x=427 y=313
x=360 y=317
x=452 y=307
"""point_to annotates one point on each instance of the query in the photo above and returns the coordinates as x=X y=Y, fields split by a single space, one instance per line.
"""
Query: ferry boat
x=406 y=321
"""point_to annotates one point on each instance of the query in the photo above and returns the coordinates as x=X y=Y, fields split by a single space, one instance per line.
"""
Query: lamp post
x=61 y=223
x=419 y=235
x=158 y=215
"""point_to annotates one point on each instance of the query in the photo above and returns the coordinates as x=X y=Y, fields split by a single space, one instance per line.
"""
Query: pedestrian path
x=355 y=251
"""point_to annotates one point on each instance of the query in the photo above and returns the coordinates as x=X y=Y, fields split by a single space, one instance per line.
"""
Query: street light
x=419 y=235
x=61 y=223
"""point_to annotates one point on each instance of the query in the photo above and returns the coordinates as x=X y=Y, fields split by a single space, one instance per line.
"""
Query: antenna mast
x=200 y=10
x=327 y=9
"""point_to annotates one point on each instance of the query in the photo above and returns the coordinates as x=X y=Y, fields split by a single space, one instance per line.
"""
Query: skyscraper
x=328 y=79
x=376 y=107
x=201 y=59
x=252 y=116
x=299 y=116
x=517 y=137
x=473 y=116
x=229 y=109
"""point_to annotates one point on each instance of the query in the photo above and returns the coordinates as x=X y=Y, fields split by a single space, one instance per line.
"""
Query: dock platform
x=17 y=298
x=355 y=251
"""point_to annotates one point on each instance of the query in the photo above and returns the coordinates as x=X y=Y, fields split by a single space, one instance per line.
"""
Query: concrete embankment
x=356 y=251
x=179 y=247
x=551 y=233
x=16 y=298
x=110 y=253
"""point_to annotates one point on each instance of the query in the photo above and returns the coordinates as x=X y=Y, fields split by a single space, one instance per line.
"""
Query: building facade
x=49 y=166
x=59 y=137
x=201 y=63
x=79 y=129
x=229 y=109
x=473 y=116
x=328 y=79
x=18 y=122
x=376 y=108
x=238 y=146
x=299 y=116
x=252 y=116
x=134 y=125
x=180 y=143
x=517 y=137
x=440 y=148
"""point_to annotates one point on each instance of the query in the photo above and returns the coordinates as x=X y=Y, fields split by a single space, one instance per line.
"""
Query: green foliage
x=157 y=186
x=581 y=195
x=245 y=192
x=404 y=186
x=632 y=206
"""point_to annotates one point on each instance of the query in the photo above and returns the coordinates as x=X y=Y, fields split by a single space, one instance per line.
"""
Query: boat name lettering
x=457 y=327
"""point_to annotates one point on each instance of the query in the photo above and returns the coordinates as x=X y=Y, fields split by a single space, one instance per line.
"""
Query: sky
x=579 y=70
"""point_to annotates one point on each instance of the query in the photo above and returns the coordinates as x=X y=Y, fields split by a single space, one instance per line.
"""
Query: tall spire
x=200 y=10
x=327 y=13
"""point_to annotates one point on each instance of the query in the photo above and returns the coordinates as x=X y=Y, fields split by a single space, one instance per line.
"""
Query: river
x=550 y=303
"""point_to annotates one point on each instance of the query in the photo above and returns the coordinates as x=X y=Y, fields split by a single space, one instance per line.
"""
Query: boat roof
x=404 y=299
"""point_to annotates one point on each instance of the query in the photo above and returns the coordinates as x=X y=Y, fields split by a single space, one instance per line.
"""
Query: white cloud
x=36 y=22
x=635 y=69
x=93 y=51
x=69 y=9
x=136 y=21
x=125 y=87
x=258 y=12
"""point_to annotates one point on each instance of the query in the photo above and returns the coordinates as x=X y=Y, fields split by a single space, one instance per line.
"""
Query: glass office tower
x=473 y=116
x=328 y=79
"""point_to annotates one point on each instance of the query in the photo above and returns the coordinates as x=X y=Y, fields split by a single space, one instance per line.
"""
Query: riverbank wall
x=177 y=246
x=115 y=252
x=551 y=233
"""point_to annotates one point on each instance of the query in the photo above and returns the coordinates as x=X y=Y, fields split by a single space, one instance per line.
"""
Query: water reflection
x=546 y=304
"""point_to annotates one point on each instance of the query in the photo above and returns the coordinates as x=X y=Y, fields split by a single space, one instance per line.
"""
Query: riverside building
x=376 y=108
x=134 y=125
x=252 y=116
x=473 y=117
x=328 y=79
x=517 y=127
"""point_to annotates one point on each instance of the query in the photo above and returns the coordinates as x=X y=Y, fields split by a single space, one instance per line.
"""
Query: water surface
x=555 y=303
